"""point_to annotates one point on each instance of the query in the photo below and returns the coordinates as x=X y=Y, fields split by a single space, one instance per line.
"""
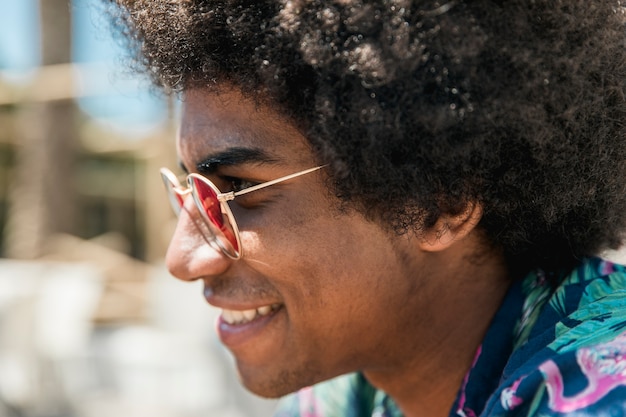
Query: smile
x=246 y=316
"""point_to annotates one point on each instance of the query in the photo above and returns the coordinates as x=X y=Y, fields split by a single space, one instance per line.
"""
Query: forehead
x=214 y=122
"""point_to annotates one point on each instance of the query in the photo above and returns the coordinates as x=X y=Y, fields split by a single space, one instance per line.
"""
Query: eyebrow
x=234 y=156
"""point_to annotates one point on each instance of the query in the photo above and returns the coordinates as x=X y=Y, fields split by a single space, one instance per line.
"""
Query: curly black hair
x=421 y=107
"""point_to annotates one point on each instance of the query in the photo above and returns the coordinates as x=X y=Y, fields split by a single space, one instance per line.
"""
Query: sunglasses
x=221 y=228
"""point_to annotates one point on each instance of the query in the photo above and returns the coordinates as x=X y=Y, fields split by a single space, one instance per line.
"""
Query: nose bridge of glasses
x=181 y=191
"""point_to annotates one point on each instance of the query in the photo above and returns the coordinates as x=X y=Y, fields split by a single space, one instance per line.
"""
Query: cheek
x=286 y=225
x=325 y=255
x=337 y=275
x=338 y=289
x=307 y=236
x=310 y=250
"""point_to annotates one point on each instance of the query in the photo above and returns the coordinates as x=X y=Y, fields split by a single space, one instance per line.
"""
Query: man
x=397 y=204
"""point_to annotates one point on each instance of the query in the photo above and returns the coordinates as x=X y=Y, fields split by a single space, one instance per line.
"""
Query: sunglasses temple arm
x=231 y=195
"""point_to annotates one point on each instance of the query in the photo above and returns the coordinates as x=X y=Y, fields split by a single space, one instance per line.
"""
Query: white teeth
x=264 y=311
x=227 y=315
x=237 y=316
x=249 y=314
x=246 y=316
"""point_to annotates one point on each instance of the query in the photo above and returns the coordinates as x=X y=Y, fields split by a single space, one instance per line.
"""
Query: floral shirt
x=565 y=355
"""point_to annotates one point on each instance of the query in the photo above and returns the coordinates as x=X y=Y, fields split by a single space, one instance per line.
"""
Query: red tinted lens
x=207 y=198
x=230 y=236
x=179 y=199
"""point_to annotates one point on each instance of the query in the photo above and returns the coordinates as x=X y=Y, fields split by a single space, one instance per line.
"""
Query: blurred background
x=91 y=323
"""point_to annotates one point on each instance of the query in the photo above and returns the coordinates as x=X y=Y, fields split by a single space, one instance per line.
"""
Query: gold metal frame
x=176 y=192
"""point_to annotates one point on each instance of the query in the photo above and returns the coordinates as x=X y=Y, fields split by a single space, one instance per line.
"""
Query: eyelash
x=237 y=184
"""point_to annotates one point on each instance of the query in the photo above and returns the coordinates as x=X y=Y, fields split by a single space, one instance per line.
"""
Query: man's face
x=330 y=291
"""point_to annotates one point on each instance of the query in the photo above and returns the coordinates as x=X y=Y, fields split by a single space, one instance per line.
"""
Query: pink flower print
x=607 y=268
x=508 y=399
x=604 y=366
x=462 y=410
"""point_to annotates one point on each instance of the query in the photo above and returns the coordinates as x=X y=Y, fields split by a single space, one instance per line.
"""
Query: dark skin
x=348 y=294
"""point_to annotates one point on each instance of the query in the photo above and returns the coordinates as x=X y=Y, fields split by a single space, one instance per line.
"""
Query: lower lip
x=235 y=335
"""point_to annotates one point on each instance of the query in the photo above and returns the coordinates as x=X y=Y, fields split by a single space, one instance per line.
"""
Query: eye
x=237 y=184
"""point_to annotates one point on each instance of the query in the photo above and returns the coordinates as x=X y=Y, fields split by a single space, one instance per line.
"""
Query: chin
x=275 y=384
x=269 y=389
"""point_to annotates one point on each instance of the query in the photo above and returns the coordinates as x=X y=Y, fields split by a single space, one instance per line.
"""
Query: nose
x=190 y=255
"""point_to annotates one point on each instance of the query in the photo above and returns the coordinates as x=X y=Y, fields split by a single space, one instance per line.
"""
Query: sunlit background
x=91 y=324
